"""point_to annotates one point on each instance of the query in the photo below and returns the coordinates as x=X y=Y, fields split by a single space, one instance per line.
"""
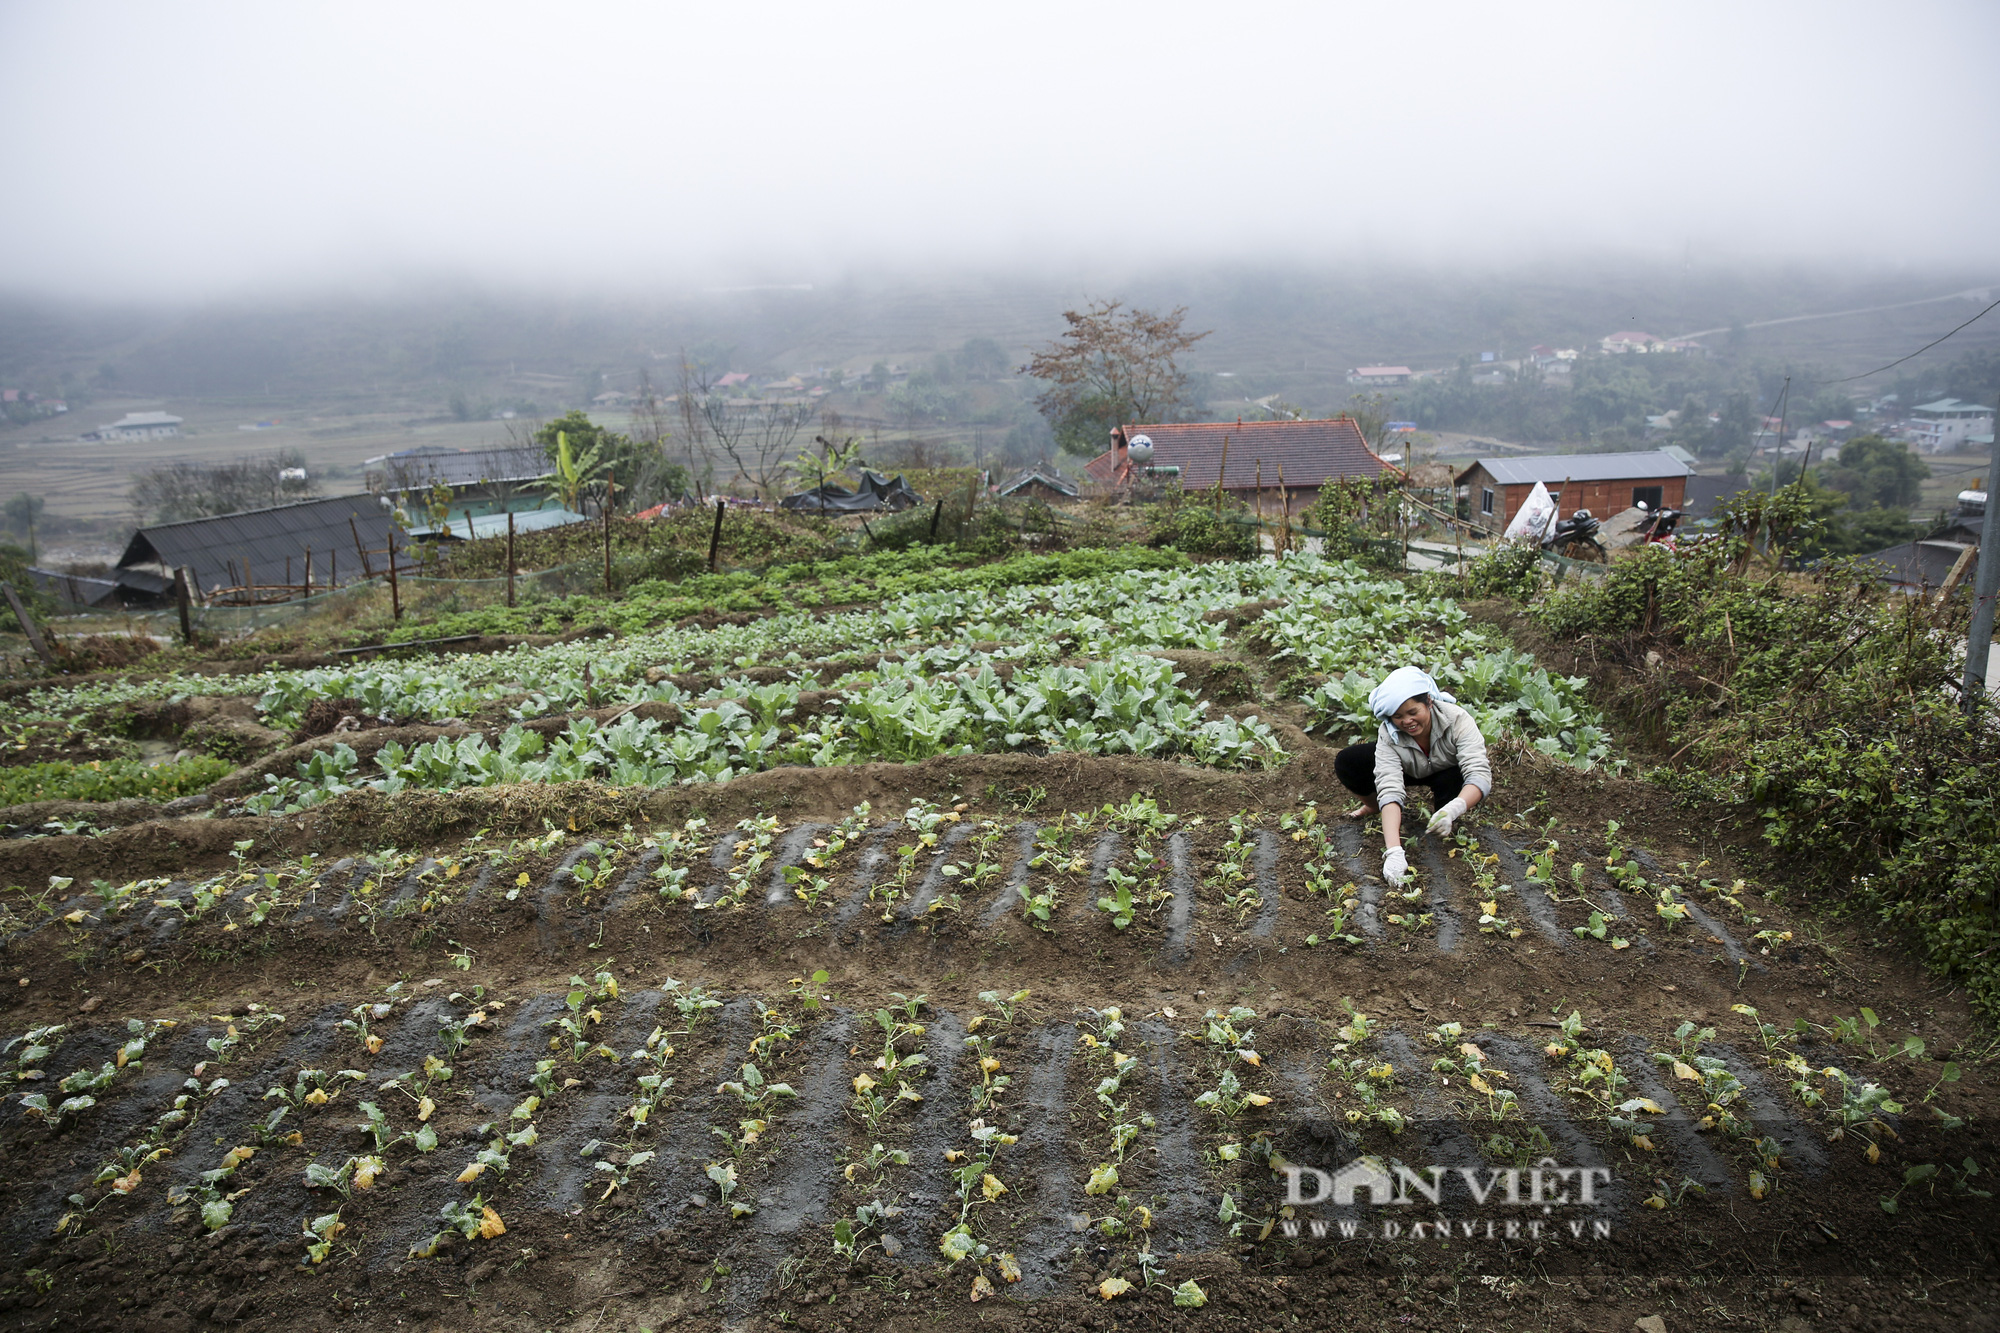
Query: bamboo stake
x=715 y=537
x=1220 y=473
x=610 y=491
x=510 y=557
x=309 y=573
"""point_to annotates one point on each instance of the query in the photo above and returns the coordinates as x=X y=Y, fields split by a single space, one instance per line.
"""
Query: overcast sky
x=207 y=149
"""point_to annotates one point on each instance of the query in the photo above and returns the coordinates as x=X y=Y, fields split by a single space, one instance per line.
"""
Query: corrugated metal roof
x=1309 y=452
x=495 y=525
x=1048 y=477
x=1553 y=469
x=220 y=549
x=467 y=467
x=1924 y=564
x=76 y=589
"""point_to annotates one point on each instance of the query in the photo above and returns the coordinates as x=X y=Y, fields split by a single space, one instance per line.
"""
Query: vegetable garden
x=994 y=948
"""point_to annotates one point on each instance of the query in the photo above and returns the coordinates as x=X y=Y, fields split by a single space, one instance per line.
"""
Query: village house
x=346 y=537
x=1382 y=376
x=1605 y=484
x=1627 y=340
x=1257 y=453
x=486 y=481
x=1947 y=424
x=1040 y=482
x=138 y=426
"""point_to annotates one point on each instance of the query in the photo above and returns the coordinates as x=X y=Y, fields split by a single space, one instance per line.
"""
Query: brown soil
x=1818 y=1250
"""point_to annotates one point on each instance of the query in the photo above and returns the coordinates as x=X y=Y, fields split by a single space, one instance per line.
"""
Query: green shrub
x=108 y=780
x=1830 y=711
x=1198 y=529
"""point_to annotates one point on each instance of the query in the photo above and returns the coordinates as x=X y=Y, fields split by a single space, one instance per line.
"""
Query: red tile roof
x=1309 y=451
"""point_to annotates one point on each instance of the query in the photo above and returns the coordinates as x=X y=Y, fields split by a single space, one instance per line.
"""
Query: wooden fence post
x=936 y=514
x=510 y=561
x=715 y=538
x=610 y=494
x=1285 y=497
x=366 y=570
x=395 y=593
x=181 y=603
x=1222 y=472
x=27 y=624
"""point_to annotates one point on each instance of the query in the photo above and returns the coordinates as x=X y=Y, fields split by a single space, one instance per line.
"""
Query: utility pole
x=1979 y=639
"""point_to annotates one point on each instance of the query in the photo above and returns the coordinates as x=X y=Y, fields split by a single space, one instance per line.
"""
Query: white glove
x=1447 y=814
x=1395 y=866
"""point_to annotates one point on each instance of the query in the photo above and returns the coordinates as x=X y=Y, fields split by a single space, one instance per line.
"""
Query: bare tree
x=182 y=490
x=1111 y=366
x=756 y=435
x=695 y=386
x=651 y=423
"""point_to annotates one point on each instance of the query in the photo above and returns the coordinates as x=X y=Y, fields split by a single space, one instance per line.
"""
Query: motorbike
x=1575 y=535
x=1658 y=525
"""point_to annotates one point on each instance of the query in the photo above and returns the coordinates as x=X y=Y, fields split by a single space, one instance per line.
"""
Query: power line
x=1919 y=352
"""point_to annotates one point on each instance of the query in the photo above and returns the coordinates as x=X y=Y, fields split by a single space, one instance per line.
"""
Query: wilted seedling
x=1118 y=903
x=807 y=990
x=694 y=1003
x=1228 y=1098
x=356 y=1173
x=874 y=1161
x=36 y=1045
x=848 y=1232
x=751 y=1089
x=475 y=1220
x=992 y=1082
x=358 y=1026
x=123 y=1170
x=1006 y=1004
x=208 y=1192
x=320 y=1234
x=724 y=1176
x=973 y=1173
x=621 y=1172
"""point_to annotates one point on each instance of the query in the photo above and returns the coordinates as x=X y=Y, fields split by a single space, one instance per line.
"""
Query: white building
x=139 y=426
x=1947 y=424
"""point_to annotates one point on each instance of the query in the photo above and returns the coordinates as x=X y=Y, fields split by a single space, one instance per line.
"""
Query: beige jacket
x=1455 y=740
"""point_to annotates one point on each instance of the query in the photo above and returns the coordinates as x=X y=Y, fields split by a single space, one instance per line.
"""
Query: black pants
x=1355 y=767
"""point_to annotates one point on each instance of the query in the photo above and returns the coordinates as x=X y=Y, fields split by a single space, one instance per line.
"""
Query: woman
x=1425 y=738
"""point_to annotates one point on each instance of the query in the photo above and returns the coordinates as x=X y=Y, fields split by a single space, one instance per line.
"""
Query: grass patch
x=108 y=780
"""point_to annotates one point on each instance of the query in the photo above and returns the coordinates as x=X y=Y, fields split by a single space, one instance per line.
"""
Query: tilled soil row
x=760 y=1141
x=1125 y=1126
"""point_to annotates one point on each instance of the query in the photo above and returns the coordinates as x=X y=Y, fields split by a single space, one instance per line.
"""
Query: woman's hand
x=1395 y=867
x=1447 y=814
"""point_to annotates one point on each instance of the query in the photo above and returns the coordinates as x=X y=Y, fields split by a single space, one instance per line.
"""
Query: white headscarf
x=1399 y=687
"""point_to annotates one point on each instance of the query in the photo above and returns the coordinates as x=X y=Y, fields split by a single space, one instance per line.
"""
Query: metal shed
x=256 y=545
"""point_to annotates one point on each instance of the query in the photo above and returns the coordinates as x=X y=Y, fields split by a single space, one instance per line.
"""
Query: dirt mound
x=325 y=716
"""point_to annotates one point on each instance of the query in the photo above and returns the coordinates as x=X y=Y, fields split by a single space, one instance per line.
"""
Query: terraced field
x=1040 y=1031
